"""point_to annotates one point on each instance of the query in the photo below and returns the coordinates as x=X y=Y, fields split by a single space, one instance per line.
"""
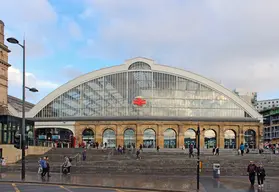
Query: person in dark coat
x=48 y=166
x=251 y=170
x=260 y=175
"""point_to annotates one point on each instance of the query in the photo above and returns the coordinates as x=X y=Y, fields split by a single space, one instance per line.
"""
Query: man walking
x=251 y=170
x=48 y=167
x=44 y=166
x=242 y=149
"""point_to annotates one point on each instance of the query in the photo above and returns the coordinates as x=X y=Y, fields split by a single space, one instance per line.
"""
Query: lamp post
x=15 y=41
x=198 y=157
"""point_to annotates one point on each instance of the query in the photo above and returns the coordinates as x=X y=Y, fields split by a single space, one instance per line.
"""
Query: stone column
x=180 y=139
x=139 y=135
x=119 y=135
x=160 y=136
x=98 y=134
x=240 y=138
x=221 y=136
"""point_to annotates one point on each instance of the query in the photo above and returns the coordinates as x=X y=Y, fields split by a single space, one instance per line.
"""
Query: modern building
x=271 y=125
x=142 y=102
x=264 y=105
x=10 y=107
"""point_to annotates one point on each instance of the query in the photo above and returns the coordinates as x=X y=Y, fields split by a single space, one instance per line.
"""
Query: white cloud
x=235 y=42
x=15 y=84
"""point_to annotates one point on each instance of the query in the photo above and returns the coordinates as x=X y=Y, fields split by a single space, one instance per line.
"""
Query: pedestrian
x=251 y=170
x=84 y=155
x=140 y=147
x=48 y=167
x=138 y=154
x=217 y=151
x=260 y=175
x=158 y=148
x=213 y=151
x=44 y=166
x=241 y=149
x=191 y=151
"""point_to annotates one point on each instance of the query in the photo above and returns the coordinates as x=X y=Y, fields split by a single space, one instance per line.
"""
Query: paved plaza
x=106 y=183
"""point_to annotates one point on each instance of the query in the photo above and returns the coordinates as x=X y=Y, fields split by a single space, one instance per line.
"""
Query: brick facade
x=159 y=127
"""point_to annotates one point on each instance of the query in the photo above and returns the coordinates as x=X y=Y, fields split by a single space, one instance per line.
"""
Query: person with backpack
x=67 y=165
x=251 y=170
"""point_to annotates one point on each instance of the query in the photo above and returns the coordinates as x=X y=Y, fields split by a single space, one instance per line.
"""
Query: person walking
x=191 y=151
x=251 y=170
x=242 y=148
x=84 y=155
x=44 y=166
x=260 y=175
x=47 y=167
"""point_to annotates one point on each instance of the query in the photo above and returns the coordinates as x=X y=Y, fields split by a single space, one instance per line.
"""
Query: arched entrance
x=88 y=136
x=109 y=138
x=169 y=138
x=250 y=138
x=61 y=137
x=229 y=139
x=129 y=138
x=209 y=139
x=149 y=138
x=189 y=138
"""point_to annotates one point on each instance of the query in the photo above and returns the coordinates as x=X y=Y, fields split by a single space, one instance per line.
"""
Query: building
x=267 y=104
x=271 y=125
x=10 y=107
x=141 y=102
x=249 y=97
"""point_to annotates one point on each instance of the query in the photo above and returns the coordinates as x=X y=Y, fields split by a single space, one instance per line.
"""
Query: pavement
x=27 y=187
x=112 y=183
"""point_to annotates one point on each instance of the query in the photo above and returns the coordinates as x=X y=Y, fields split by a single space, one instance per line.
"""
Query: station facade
x=141 y=102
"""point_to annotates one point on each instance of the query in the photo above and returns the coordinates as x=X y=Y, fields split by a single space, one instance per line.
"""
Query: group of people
x=44 y=167
x=254 y=170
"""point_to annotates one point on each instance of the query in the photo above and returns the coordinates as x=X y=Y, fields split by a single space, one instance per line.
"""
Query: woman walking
x=261 y=175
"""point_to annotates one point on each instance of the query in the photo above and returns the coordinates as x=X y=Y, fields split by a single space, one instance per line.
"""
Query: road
x=25 y=187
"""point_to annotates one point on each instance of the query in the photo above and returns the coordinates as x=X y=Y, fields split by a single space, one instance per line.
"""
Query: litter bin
x=216 y=170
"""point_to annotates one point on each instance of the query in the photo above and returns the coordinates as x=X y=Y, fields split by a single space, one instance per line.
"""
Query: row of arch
x=170 y=138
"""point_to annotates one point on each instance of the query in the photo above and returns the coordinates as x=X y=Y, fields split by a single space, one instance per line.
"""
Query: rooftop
x=16 y=103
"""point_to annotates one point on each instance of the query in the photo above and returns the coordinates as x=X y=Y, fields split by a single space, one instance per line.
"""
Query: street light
x=15 y=41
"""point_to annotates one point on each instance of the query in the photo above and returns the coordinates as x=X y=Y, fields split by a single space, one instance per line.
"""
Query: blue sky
x=232 y=42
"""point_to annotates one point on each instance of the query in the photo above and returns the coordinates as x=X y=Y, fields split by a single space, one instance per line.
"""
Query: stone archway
x=149 y=138
x=210 y=138
x=230 y=139
x=109 y=138
x=250 y=138
x=88 y=135
x=190 y=137
x=170 y=138
x=129 y=138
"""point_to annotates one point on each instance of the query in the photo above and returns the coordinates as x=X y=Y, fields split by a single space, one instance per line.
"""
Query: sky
x=233 y=42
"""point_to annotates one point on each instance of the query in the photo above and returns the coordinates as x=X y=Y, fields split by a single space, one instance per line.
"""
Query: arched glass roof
x=165 y=93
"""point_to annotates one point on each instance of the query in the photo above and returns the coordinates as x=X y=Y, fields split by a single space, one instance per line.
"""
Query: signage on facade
x=139 y=101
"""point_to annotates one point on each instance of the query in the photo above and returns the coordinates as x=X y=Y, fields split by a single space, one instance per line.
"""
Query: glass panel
x=149 y=138
x=250 y=138
x=229 y=139
x=129 y=138
x=88 y=135
x=209 y=139
x=109 y=138
x=169 y=138
x=164 y=95
x=190 y=138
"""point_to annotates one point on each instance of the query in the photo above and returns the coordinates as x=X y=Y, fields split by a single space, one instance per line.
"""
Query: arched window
x=189 y=138
x=88 y=135
x=149 y=138
x=169 y=138
x=250 y=138
x=209 y=139
x=129 y=138
x=229 y=139
x=109 y=138
x=139 y=65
